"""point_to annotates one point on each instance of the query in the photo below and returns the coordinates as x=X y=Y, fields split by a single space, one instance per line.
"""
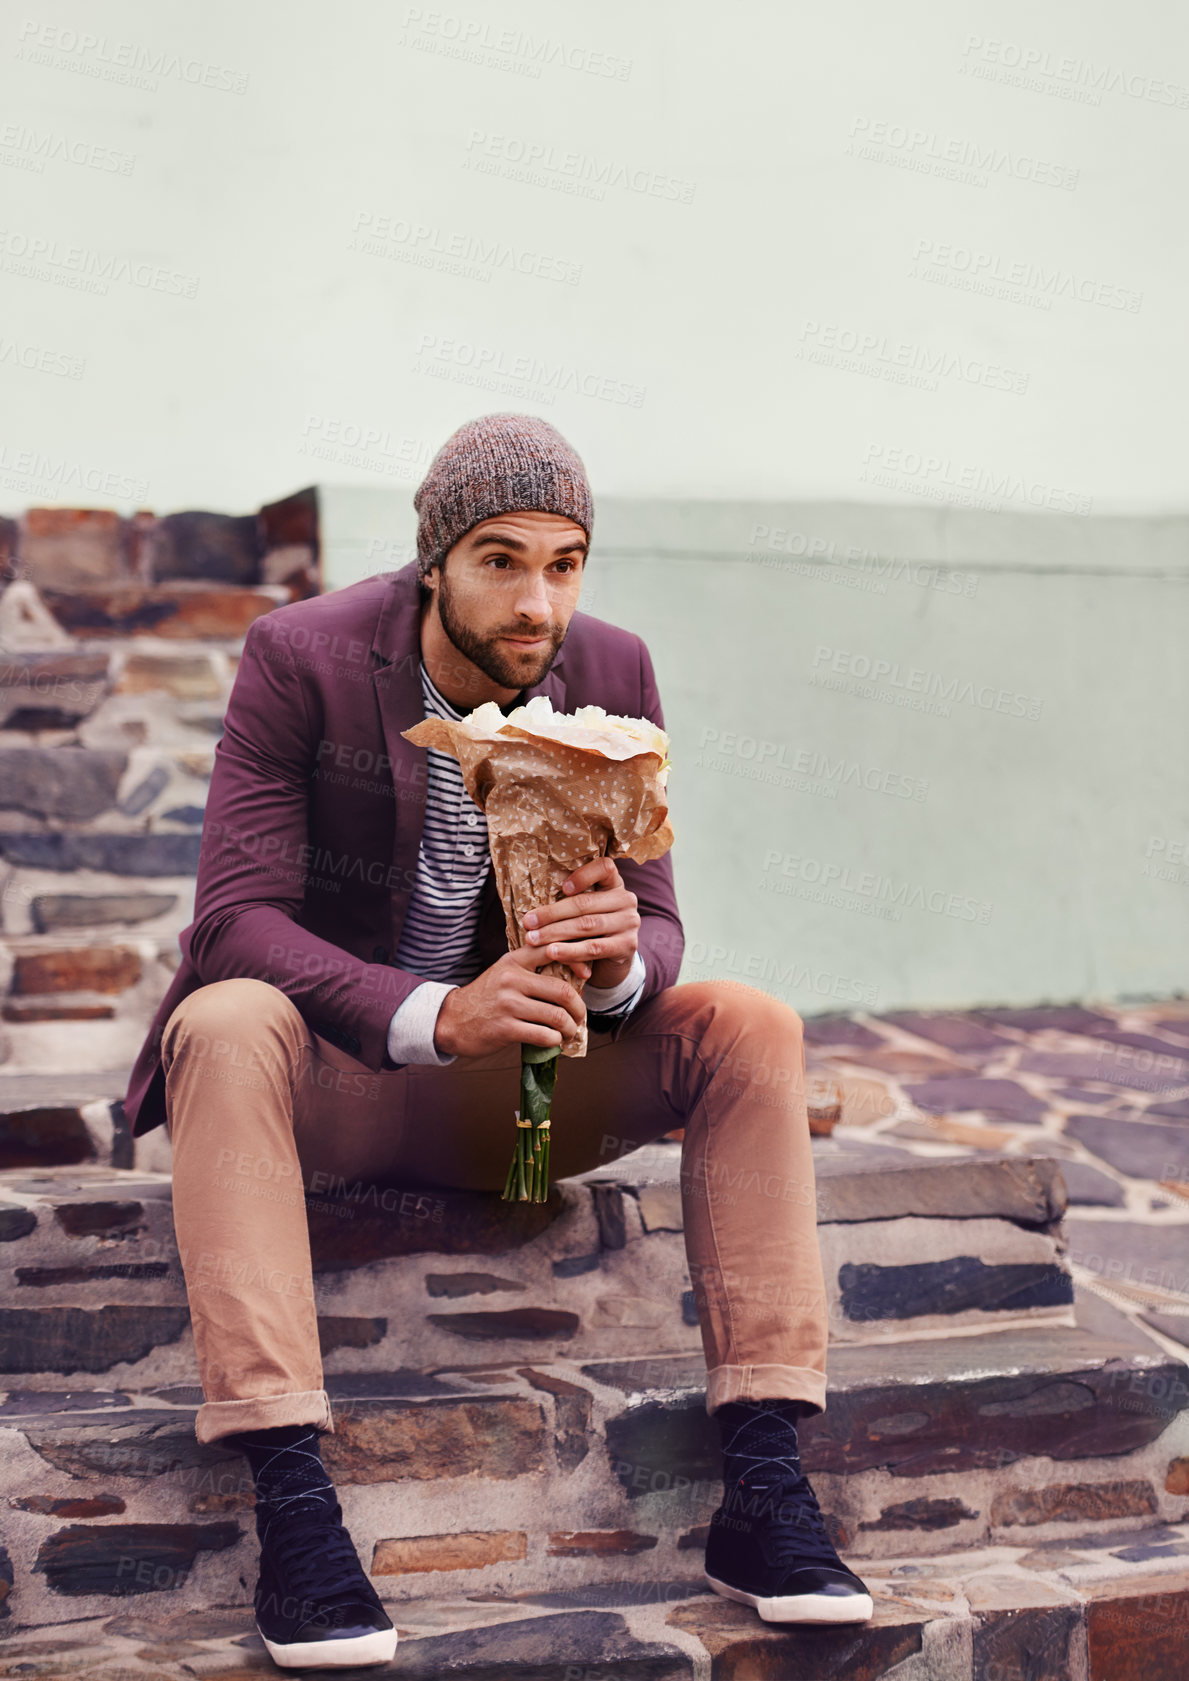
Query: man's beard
x=489 y=654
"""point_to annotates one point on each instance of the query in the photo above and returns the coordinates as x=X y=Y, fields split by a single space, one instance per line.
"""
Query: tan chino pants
x=247 y=1079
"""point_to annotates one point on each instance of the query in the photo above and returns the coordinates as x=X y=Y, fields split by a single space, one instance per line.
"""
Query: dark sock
x=763 y=1483
x=288 y=1472
x=759 y=1442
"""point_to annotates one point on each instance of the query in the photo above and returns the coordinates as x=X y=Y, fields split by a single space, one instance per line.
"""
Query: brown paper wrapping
x=551 y=806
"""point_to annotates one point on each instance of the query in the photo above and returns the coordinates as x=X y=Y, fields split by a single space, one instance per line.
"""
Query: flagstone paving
x=1104 y=1090
x=1093 y=1608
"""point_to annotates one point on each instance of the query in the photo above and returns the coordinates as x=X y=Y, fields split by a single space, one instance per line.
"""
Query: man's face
x=507 y=592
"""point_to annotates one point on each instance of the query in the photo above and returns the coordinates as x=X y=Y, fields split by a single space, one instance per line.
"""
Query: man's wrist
x=442 y=1034
x=600 y=999
x=608 y=973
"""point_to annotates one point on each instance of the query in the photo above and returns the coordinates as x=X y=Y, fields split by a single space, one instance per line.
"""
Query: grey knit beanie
x=499 y=464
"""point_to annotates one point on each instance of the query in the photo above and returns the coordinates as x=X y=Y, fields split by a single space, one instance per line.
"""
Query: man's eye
x=498 y=559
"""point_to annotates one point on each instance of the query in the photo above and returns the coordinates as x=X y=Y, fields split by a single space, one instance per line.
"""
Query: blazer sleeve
x=661 y=937
x=255 y=856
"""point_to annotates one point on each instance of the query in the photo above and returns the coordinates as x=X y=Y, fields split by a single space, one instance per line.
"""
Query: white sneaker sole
x=801 y=1607
x=360 y=1649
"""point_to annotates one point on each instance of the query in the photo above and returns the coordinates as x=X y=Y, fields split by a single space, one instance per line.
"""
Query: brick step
x=415 y=1278
x=49 y=969
x=1093 y=1607
x=187 y=609
x=107 y=989
x=73 y=549
x=546 y=1477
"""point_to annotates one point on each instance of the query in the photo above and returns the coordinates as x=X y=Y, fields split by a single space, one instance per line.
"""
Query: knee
x=756 y=1041
x=229 y=1017
x=746 y=1008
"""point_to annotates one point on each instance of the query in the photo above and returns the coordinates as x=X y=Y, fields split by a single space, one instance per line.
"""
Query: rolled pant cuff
x=765 y=1383
x=263 y=1412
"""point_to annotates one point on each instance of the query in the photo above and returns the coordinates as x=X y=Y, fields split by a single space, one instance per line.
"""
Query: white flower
x=590 y=728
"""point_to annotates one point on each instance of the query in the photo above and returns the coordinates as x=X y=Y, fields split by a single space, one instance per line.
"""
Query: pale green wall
x=759 y=251
x=1049 y=822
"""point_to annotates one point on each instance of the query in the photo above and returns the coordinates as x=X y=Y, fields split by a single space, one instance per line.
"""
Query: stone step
x=912 y=1245
x=1093 y=1608
x=171 y=696
x=48 y=1121
x=495 y=1483
x=139 y=853
x=408 y=1278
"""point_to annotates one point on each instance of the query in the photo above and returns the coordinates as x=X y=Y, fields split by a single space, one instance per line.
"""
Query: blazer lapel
x=397 y=680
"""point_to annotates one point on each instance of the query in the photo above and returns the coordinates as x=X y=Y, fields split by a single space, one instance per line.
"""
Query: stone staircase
x=520 y=1420
x=521 y=1440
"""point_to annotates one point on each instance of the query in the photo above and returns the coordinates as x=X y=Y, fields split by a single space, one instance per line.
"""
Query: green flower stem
x=528 y=1176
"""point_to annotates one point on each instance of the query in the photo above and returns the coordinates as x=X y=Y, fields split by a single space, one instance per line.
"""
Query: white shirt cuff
x=617 y=1000
x=410 y=1032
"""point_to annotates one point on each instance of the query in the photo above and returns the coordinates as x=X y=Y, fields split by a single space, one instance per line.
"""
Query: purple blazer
x=314 y=817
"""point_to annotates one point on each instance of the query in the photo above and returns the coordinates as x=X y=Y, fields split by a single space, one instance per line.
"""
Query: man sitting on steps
x=346 y=1006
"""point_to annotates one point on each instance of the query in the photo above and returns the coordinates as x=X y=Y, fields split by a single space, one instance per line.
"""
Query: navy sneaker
x=769 y=1549
x=315 y=1606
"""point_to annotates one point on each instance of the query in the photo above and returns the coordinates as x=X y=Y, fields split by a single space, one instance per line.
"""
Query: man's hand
x=511 y=1004
x=592 y=930
x=596 y=923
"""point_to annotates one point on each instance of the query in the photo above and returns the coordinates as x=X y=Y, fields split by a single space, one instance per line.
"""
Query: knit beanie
x=499 y=464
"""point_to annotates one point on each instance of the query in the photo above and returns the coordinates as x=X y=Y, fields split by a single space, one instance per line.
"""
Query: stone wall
x=119 y=641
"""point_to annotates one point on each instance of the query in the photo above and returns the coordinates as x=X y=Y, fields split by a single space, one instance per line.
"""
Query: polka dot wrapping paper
x=558 y=789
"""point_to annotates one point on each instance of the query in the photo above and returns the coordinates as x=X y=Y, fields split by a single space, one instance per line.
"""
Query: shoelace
x=796 y=1529
x=319 y=1564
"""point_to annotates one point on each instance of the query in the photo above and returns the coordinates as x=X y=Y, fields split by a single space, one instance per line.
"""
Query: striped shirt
x=438 y=937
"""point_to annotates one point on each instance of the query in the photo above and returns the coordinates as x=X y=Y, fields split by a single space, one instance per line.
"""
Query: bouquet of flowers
x=558 y=789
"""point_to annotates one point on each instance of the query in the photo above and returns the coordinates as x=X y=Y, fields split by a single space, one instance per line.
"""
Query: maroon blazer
x=313 y=822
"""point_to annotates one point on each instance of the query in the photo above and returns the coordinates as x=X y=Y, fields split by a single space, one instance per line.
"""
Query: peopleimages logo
x=779 y=974
x=352 y=444
x=875 y=678
x=82 y=270
x=1068 y=77
x=472 y=256
x=812 y=555
x=486 y=43
x=901 y=362
x=927 y=152
x=1020 y=280
x=127 y=62
x=808 y=769
x=47 y=475
x=944 y=479
x=29 y=148
x=1167 y=859
x=539 y=163
x=494 y=369
x=40 y=360
x=875 y=894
